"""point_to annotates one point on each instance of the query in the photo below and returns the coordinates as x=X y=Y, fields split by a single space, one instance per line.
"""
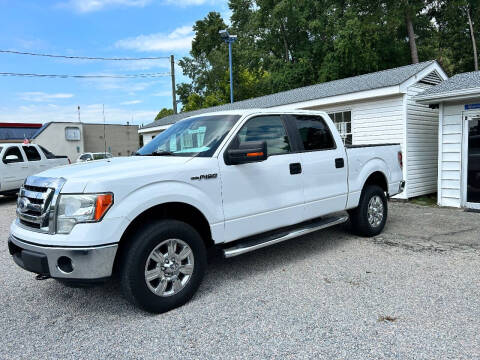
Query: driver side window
x=15 y=151
x=268 y=128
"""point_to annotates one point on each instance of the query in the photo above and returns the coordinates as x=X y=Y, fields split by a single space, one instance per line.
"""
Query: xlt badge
x=204 y=177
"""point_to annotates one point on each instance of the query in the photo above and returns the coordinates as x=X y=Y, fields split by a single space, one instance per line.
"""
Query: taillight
x=400 y=159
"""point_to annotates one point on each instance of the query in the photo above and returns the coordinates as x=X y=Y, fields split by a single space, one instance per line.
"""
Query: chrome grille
x=36 y=203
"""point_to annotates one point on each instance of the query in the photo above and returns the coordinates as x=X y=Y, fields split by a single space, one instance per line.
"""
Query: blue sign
x=472 y=106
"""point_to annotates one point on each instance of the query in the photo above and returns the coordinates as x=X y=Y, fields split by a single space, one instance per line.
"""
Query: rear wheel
x=369 y=218
x=163 y=266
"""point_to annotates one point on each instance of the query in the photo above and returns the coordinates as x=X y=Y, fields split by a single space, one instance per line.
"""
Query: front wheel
x=369 y=218
x=163 y=266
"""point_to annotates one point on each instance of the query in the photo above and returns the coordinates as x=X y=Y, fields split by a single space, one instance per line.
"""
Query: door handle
x=295 y=168
x=339 y=163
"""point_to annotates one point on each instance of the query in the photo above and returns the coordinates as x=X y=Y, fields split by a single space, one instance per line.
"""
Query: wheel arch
x=171 y=210
x=377 y=178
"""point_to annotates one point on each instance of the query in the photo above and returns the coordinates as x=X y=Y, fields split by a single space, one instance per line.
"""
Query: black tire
x=135 y=256
x=359 y=216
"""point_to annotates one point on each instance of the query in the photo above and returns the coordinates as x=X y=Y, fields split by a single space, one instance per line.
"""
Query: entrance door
x=472 y=187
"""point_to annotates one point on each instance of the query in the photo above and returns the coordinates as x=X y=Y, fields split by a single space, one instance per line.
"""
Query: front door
x=472 y=186
x=16 y=170
x=262 y=196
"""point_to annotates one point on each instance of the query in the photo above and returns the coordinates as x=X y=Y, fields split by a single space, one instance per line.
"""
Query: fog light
x=64 y=264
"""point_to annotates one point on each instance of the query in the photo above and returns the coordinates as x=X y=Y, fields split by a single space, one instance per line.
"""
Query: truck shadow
x=108 y=298
x=7 y=199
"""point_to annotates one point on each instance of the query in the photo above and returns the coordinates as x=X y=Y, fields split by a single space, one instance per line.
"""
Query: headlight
x=75 y=209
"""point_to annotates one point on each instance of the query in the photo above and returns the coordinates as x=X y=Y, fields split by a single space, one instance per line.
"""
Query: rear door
x=34 y=160
x=324 y=166
x=16 y=171
x=265 y=195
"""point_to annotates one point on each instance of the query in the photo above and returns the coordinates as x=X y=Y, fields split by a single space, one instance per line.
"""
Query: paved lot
x=326 y=295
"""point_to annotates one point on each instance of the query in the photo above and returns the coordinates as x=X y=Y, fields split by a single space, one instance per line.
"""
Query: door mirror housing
x=11 y=159
x=248 y=152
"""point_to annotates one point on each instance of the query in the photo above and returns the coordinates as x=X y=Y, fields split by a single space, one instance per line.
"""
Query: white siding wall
x=449 y=189
x=376 y=121
x=422 y=145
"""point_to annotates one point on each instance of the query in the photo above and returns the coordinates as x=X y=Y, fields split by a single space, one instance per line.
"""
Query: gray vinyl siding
x=422 y=144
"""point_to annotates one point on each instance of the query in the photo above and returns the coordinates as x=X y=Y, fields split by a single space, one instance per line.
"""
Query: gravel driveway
x=411 y=293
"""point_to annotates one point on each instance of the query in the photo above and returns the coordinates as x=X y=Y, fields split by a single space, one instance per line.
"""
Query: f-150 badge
x=204 y=177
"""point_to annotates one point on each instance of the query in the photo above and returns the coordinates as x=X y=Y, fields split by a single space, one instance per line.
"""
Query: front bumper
x=82 y=263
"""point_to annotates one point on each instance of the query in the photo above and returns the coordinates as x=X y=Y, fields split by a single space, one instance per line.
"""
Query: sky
x=94 y=28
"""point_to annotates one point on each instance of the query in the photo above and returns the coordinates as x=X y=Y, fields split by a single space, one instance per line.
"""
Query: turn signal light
x=400 y=159
x=254 y=154
x=104 y=202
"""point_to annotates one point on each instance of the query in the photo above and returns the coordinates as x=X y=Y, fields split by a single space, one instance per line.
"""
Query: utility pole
x=174 y=94
x=78 y=108
x=104 y=130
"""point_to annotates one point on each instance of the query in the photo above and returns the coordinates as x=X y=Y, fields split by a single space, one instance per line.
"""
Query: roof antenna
x=104 y=131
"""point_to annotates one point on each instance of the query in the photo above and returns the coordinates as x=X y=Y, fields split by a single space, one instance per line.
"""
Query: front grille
x=36 y=201
x=29 y=224
x=35 y=188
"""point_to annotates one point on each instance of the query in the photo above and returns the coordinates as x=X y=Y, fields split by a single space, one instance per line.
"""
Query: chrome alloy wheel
x=169 y=267
x=375 y=211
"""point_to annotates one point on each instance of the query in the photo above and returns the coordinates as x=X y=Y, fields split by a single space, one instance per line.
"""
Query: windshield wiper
x=161 y=153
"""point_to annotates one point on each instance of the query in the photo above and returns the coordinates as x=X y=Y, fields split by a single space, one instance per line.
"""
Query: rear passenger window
x=314 y=133
x=32 y=153
x=266 y=128
x=47 y=153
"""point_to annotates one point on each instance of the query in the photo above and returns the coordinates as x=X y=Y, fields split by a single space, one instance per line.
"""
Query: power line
x=84 y=57
x=65 y=76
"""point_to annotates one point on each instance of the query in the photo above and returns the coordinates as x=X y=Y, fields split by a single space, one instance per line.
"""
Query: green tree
x=164 y=112
x=456 y=33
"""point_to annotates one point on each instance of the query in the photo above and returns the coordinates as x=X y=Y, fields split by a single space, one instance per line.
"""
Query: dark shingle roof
x=354 y=84
x=456 y=83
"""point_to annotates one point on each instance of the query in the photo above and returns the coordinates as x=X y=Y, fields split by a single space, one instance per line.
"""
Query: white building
x=367 y=109
x=458 y=100
x=74 y=138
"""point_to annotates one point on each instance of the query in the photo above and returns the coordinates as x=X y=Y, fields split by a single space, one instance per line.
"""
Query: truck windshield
x=197 y=136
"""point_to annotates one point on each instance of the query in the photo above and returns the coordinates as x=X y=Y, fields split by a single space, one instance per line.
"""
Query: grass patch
x=425 y=200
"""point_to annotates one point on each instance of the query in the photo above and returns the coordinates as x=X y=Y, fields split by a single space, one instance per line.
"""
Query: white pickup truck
x=18 y=161
x=237 y=180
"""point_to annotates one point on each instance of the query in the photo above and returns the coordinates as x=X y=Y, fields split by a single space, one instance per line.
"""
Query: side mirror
x=11 y=159
x=248 y=152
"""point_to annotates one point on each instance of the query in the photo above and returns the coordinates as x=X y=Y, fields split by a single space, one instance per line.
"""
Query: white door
x=471 y=165
x=324 y=166
x=16 y=171
x=35 y=162
x=262 y=196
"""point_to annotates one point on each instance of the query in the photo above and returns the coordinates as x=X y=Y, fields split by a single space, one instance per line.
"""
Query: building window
x=343 y=122
x=72 y=133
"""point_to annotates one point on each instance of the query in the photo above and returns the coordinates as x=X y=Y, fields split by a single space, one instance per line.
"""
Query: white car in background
x=18 y=161
x=93 y=156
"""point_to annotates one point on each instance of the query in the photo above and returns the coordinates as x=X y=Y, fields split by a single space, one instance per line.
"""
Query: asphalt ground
x=411 y=293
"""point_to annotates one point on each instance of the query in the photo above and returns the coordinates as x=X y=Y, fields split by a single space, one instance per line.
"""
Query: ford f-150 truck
x=18 y=161
x=237 y=180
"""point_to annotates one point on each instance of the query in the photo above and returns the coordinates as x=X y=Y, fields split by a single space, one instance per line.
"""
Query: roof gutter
x=448 y=96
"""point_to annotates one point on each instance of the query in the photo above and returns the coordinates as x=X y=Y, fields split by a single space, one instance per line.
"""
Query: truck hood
x=80 y=174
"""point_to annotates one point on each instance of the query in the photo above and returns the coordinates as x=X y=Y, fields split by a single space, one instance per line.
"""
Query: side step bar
x=258 y=243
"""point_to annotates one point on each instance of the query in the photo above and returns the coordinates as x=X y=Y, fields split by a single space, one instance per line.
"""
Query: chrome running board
x=252 y=244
